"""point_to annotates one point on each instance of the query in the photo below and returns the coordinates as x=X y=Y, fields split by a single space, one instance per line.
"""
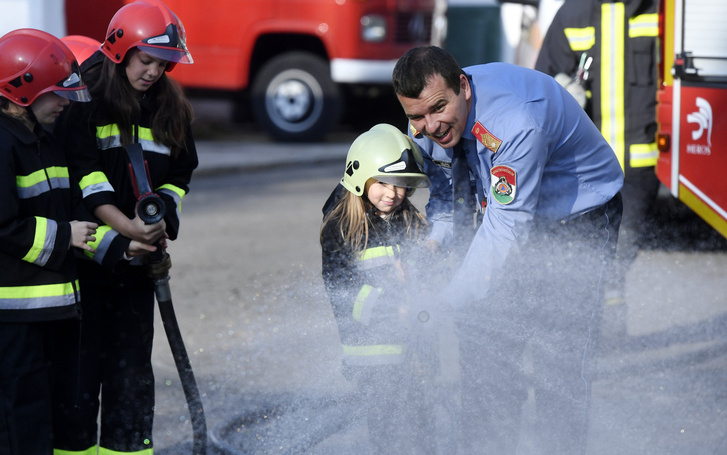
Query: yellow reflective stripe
x=612 y=77
x=109 y=137
x=695 y=200
x=105 y=451
x=100 y=233
x=644 y=25
x=581 y=39
x=642 y=155
x=41 y=227
x=38 y=291
x=55 y=172
x=377 y=252
x=175 y=192
x=373 y=350
x=93 y=450
x=175 y=189
x=26 y=181
x=145 y=134
x=94 y=178
x=365 y=301
x=361 y=298
x=106 y=131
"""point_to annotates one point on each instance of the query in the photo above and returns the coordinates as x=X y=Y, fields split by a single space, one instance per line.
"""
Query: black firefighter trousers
x=117 y=328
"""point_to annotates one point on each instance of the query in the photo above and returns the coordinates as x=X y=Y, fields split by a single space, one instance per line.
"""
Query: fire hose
x=150 y=209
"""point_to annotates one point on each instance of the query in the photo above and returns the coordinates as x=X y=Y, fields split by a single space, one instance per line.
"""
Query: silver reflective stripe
x=38 y=296
x=103 y=245
x=42 y=181
x=97 y=188
x=155 y=147
x=36 y=302
x=148 y=145
x=49 y=243
x=174 y=195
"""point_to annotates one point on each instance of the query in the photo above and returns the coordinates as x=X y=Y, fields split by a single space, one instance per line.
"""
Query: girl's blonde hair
x=352 y=211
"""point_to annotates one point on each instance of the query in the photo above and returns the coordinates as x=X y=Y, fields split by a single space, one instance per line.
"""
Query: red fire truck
x=293 y=60
x=692 y=106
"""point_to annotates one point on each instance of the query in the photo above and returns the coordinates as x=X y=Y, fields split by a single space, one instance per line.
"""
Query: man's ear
x=464 y=85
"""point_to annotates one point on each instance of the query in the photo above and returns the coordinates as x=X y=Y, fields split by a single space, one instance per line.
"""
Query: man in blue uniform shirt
x=547 y=184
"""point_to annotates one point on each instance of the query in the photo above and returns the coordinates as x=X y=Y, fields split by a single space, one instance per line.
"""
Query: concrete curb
x=218 y=157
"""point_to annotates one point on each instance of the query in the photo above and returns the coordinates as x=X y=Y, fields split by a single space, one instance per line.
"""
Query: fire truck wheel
x=294 y=98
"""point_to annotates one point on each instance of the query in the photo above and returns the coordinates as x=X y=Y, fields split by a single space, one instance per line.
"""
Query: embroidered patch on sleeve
x=414 y=131
x=488 y=139
x=504 y=184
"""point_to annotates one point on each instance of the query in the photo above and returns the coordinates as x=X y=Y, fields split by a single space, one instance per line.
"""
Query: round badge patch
x=504 y=184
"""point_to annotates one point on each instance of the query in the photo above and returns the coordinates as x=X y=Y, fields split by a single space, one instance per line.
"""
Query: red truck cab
x=294 y=58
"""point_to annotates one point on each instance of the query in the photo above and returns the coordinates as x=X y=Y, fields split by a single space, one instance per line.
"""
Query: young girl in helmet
x=137 y=115
x=39 y=290
x=364 y=236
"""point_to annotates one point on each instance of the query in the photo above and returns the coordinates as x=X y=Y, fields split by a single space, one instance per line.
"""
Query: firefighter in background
x=364 y=235
x=39 y=291
x=606 y=50
x=135 y=106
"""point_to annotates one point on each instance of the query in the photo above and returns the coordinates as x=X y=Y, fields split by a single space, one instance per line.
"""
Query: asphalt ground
x=670 y=364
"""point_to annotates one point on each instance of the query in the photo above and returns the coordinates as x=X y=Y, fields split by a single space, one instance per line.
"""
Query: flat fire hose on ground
x=151 y=208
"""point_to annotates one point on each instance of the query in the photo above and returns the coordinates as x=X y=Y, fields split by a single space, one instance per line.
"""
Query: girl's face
x=143 y=70
x=47 y=107
x=385 y=196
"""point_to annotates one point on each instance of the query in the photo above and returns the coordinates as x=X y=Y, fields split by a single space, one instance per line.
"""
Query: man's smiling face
x=439 y=113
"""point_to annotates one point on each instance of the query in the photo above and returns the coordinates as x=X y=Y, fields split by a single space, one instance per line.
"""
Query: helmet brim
x=81 y=95
x=405 y=181
x=173 y=55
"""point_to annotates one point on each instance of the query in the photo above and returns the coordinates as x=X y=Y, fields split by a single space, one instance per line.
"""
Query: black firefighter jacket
x=615 y=42
x=38 y=280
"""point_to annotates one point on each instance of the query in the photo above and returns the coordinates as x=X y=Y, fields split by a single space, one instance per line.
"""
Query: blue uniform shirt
x=533 y=152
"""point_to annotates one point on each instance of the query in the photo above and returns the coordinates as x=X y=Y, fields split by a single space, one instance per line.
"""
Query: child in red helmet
x=136 y=109
x=39 y=292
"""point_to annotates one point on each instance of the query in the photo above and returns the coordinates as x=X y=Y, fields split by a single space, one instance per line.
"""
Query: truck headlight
x=373 y=28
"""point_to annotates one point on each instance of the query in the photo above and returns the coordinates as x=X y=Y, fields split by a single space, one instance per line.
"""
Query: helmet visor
x=404 y=172
x=405 y=181
x=77 y=94
x=73 y=86
x=170 y=46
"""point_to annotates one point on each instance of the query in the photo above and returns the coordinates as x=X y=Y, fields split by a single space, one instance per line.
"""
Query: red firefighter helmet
x=152 y=27
x=33 y=62
x=82 y=46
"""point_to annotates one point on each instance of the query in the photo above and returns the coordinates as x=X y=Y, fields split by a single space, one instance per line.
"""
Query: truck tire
x=294 y=98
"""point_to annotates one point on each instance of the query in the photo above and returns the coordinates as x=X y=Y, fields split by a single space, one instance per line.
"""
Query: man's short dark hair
x=419 y=64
